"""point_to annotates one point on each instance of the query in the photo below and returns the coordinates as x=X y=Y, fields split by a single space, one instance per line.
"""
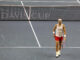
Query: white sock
x=56 y=54
x=59 y=52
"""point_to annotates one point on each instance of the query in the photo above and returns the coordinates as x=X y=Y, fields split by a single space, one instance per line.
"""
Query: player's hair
x=59 y=19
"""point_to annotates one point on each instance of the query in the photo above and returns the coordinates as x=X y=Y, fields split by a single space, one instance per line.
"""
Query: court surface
x=18 y=41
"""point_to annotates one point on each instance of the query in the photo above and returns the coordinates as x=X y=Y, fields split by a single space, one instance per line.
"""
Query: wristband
x=53 y=32
x=64 y=35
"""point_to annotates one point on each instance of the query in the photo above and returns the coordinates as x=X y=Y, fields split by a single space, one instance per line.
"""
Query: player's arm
x=64 y=29
x=54 y=30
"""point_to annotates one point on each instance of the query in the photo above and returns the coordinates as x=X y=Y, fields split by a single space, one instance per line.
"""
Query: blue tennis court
x=26 y=29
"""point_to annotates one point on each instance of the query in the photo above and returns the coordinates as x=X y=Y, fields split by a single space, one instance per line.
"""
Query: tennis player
x=59 y=33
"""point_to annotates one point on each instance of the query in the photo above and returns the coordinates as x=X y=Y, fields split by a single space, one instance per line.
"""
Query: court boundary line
x=78 y=1
x=41 y=6
x=37 y=1
x=31 y=24
x=44 y=5
x=34 y=47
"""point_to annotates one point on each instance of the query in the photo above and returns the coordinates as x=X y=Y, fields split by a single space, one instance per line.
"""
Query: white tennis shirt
x=59 y=30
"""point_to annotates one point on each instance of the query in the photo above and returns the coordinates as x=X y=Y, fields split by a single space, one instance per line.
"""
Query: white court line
x=31 y=24
x=41 y=47
x=39 y=1
x=78 y=1
x=52 y=1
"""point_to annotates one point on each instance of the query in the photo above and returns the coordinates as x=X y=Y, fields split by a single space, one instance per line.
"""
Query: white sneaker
x=57 y=55
x=59 y=52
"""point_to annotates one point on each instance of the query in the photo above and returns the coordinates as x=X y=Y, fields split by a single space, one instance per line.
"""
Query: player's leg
x=60 y=45
x=57 y=48
x=57 y=45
